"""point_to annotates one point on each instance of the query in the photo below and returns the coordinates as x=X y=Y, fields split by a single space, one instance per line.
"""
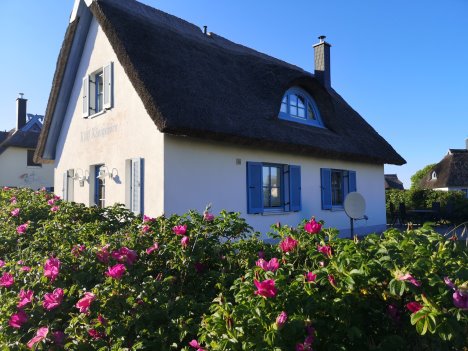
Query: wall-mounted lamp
x=81 y=176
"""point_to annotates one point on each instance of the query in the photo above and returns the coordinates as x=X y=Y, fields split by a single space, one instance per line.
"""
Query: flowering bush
x=99 y=279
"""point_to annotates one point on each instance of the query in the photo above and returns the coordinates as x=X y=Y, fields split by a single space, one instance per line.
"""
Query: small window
x=433 y=175
x=97 y=91
x=30 y=161
x=336 y=184
x=273 y=187
x=298 y=106
x=100 y=186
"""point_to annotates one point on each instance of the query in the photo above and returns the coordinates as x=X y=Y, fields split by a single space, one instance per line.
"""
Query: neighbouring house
x=149 y=110
x=392 y=182
x=17 y=148
x=450 y=174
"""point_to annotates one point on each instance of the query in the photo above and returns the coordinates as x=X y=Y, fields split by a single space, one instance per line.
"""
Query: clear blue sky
x=403 y=65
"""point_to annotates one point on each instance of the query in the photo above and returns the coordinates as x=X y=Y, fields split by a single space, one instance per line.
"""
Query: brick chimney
x=466 y=143
x=322 y=62
x=20 y=112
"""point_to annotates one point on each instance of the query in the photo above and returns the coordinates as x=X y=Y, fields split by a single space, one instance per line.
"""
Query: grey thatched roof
x=18 y=138
x=206 y=86
x=392 y=182
x=452 y=171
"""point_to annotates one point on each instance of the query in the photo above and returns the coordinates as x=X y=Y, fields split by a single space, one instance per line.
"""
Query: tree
x=419 y=175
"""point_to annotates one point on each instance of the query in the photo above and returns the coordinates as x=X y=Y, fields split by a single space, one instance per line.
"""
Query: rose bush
x=83 y=278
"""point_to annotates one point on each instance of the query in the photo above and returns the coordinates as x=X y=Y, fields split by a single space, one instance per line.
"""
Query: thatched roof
x=392 y=182
x=18 y=138
x=452 y=171
x=205 y=86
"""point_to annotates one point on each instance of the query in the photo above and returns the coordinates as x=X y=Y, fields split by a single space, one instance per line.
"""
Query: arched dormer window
x=298 y=106
x=434 y=175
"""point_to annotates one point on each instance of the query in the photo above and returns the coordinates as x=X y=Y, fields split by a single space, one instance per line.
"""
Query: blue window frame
x=99 y=186
x=298 y=106
x=336 y=184
x=273 y=187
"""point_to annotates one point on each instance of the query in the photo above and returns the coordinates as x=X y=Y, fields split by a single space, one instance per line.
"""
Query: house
x=392 y=182
x=17 y=147
x=149 y=110
x=450 y=174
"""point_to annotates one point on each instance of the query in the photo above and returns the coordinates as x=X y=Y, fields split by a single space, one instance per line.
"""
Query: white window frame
x=98 y=87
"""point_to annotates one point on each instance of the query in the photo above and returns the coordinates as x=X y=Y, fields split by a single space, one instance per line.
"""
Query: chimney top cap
x=20 y=95
x=322 y=38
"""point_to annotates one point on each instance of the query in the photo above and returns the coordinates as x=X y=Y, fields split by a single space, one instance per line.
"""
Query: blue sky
x=403 y=65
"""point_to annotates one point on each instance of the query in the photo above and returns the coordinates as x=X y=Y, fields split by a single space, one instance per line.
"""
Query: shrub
x=84 y=278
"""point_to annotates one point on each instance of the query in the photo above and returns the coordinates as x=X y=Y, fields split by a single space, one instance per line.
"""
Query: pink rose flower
x=409 y=278
x=332 y=281
x=85 y=302
x=271 y=265
x=53 y=299
x=265 y=288
x=13 y=200
x=312 y=226
x=413 y=306
x=15 y=212
x=195 y=344
x=54 y=208
x=325 y=249
x=180 y=229
x=25 y=297
x=51 y=202
x=145 y=228
x=18 y=319
x=2 y=263
x=208 y=216
x=281 y=319
x=124 y=254
x=288 y=244
x=117 y=271
x=147 y=219
x=184 y=241
x=103 y=254
x=40 y=335
x=96 y=335
x=52 y=268
x=25 y=269
x=21 y=229
x=460 y=299
x=152 y=248
x=310 y=277
x=101 y=319
x=78 y=249
x=6 y=280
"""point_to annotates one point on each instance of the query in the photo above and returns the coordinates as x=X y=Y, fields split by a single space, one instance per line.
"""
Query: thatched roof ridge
x=206 y=86
x=451 y=171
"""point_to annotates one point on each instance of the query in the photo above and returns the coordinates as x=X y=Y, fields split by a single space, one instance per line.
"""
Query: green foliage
x=177 y=291
x=419 y=175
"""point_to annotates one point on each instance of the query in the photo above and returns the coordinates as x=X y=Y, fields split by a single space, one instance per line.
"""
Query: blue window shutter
x=136 y=191
x=352 y=181
x=65 y=186
x=85 y=96
x=295 y=188
x=254 y=187
x=107 y=86
x=325 y=175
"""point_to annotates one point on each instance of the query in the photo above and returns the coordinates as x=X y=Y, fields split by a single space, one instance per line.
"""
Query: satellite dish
x=355 y=205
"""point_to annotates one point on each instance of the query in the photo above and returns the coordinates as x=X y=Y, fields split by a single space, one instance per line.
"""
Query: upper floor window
x=97 y=91
x=298 y=106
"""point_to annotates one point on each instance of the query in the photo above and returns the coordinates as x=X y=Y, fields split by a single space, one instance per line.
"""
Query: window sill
x=275 y=212
x=97 y=114
x=34 y=167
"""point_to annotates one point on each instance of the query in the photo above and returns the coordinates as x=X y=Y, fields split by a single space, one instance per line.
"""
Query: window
x=30 y=160
x=298 y=106
x=100 y=186
x=97 y=91
x=336 y=184
x=433 y=175
x=134 y=184
x=273 y=187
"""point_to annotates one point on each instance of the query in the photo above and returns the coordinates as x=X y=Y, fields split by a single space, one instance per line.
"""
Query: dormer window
x=434 y=176
x=298 y=106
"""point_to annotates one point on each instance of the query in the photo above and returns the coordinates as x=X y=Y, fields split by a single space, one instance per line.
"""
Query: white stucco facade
x=182 y=173
x=15 y=172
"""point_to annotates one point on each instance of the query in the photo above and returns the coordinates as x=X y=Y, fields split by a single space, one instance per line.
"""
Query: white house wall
x=198 y=173
x=121 y=133
x=15 y=172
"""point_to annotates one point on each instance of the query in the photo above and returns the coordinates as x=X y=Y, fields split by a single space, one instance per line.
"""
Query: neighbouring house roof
x=452 y=171
x=19 y=138
x=3 y=136
x=392 y=182
x=205 y=86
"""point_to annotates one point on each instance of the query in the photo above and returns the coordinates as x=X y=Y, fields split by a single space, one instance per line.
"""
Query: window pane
x=266 y=197
x=301 y=112
x=300 y=101
x=284 y=107
x=310 y=112
x=275 y=197
x=274 y=176
x=266 y=176
x=293 y=110
x=337 y=188
x=293 y=100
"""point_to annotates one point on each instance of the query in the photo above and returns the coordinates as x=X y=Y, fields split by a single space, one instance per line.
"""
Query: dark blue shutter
x=325 y=175
x=254 y=187
x=295 y=203
x=352 y=181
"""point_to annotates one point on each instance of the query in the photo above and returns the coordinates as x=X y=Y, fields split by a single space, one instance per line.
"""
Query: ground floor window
x=336 y=184
x=273 y=187
x=100 y=186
